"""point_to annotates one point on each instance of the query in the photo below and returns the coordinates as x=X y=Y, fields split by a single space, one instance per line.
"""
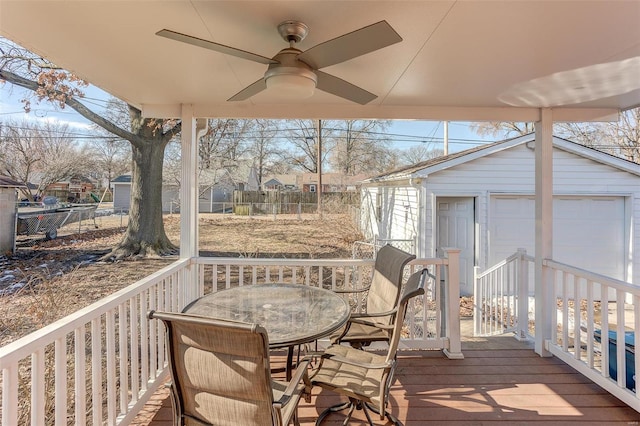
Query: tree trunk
x=145 y=235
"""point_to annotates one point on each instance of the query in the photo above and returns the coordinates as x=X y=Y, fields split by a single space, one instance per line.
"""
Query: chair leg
x=296 y=419
x=352 y=405
x=335 y=409
x=393 y=419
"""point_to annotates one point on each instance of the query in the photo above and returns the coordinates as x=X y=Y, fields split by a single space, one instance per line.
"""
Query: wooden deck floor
x=499 y=381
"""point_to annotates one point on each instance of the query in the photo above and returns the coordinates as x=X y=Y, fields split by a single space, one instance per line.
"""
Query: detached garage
x=482 y=201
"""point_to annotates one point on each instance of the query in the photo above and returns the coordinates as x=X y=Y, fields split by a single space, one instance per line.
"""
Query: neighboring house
x=331 y=182
x=216 y=189
x=214 y=196
x=281 y=182
x=8 y=201
x=482 y=201
x=272 y=184
x=74 y=189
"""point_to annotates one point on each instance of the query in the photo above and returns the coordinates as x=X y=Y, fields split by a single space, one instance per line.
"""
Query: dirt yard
x=47 y=280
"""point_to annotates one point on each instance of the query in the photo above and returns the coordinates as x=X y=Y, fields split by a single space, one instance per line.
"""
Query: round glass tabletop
x=291 y=313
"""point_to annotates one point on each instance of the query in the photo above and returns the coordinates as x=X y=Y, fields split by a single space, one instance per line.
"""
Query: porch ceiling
x=459 y=60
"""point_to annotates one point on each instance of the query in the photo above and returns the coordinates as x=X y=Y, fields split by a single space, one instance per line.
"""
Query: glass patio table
x=292 y=314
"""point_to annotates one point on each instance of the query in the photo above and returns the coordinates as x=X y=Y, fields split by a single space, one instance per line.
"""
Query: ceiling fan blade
x=221 y=48
x=249 y=91
x=351 y=45
x=339 y=87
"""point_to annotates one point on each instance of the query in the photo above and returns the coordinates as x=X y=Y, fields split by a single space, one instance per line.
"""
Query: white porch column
x=544 y=306
x=188 y=185
x=189 y=201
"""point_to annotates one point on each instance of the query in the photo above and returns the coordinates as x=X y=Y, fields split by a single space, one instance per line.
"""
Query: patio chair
x=365 y=377
x=382 y=298
x=221 y=375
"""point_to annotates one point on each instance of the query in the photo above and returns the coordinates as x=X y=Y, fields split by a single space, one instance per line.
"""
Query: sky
x=402 y=133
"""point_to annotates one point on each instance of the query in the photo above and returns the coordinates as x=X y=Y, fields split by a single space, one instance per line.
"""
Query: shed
x=121 y=193
x=482 y=201
x=8 y=213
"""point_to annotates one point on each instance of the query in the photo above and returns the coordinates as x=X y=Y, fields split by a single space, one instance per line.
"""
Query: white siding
x=121 y=197
x=398 y=215
x=512 y=171
x=368 y=220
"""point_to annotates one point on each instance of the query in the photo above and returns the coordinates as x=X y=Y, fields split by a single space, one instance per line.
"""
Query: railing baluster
x=577 y=343
x=10 y=395
x=565 y=312
x=620 y=339
x=80 y=376
x=60 y=360
x=122 y=352
x=37 y=387
x=145 y=340
x=590 y=321
x=96 y=371
x=134 y=320
x=110 y=357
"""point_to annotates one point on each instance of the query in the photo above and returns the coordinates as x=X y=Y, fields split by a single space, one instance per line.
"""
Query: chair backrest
x=414 y=287
x=387 y=279
x=220 y=370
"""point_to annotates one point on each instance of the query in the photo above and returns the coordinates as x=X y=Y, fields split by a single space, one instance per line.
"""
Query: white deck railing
x=589 y=306
x=588 y=303
x=101 y=364
x=96 y=366
x=501 y=297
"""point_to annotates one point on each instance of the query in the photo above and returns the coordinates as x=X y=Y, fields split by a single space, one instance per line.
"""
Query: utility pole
x=446 y=138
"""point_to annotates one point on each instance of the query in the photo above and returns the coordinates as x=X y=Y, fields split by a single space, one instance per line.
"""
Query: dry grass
x=60 y=280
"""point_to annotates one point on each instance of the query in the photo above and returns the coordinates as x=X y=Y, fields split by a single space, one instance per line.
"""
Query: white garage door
x=588 y=232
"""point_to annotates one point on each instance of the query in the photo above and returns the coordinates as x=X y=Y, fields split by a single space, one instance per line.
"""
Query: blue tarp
x=629 y=356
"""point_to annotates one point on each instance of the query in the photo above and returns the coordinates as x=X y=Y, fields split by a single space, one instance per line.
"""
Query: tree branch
x=75 y=105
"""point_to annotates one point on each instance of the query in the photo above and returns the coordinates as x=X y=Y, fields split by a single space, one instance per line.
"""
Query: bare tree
x=620 y=138
x=41 y=153
x=303 y=154
x=224 y=142
x=502 y=129
x=148 y=137
x=419 y=153
x=360 y=146
x=263 y=147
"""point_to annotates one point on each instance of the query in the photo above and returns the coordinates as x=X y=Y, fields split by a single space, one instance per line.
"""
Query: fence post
x=299 y=211
x=522 y=290
x=453 y=303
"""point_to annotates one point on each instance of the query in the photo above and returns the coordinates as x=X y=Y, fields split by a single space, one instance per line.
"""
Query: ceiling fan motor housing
x=293 y=31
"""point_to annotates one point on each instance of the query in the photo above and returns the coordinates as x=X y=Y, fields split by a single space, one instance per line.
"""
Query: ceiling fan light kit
x=291 y=82
x=293 y=73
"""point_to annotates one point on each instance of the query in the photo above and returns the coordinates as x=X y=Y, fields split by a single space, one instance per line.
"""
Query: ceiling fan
x=293 y=73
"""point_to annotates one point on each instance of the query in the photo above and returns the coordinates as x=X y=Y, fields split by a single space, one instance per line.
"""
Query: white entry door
x=455 y=228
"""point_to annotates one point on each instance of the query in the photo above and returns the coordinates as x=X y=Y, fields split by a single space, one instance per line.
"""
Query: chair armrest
x=301 y=374
x=358 y=315
x=358 y=290
x=370 y=323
